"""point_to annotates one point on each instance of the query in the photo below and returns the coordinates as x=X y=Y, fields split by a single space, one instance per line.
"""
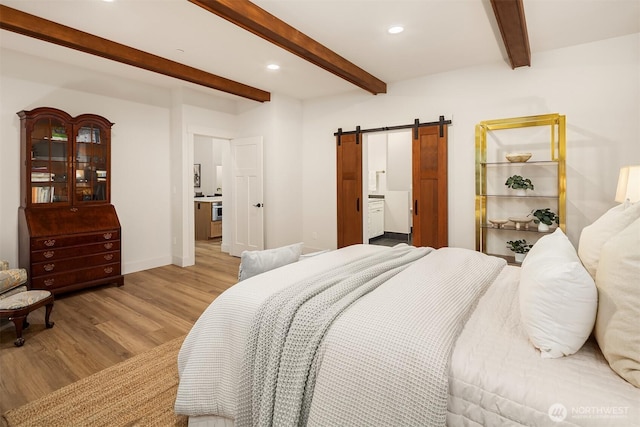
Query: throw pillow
x=558 y=297
x=594 y=236
x=256 y=262
x=617 y=329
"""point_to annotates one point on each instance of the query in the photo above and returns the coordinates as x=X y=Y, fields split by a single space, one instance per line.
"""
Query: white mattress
x=496 y=376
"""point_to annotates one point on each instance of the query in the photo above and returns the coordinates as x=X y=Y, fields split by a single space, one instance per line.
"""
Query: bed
x=415 y=336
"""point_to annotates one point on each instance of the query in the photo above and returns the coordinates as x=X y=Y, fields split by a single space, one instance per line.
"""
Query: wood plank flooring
x=99 y=327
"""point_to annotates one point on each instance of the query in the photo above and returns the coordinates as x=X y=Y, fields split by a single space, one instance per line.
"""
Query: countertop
x=208 y=199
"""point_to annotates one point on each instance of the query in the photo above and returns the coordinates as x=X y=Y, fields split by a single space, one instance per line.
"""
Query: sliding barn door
x=349 y=179
x=430 y=210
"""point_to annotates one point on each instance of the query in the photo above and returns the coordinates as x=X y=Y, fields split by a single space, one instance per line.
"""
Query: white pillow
x=594 y=236
x=618 y=321
x=558 y=297
x=256 y=262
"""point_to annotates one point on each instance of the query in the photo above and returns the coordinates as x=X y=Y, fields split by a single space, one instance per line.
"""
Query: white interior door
x=246 y=195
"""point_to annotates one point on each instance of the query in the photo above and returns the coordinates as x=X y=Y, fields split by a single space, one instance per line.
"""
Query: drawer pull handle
x=107 y=236
x=49 y=267
x=108 y=245
x=74 y=209
x=49 y=282
x=108 y=270
x=108 y=257
x=49 y=254
x=50 y=242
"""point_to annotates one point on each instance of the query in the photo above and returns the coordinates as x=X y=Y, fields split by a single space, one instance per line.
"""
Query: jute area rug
x=140 y=391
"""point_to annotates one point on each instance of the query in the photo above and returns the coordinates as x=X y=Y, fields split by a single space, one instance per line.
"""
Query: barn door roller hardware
x=415 y=125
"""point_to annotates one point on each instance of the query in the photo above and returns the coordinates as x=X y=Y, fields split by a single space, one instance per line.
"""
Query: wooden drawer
x=63 y=265
x=73 y=240
x=74 y=251
x=52 y=281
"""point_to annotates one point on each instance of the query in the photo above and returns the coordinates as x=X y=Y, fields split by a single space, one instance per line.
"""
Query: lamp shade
x=628 y=184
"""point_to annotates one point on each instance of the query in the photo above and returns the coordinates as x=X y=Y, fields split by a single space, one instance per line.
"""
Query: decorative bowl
x=518 y=157
x=521 y=221
x=498 y=223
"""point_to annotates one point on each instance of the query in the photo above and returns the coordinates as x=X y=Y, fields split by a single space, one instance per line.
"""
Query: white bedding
x=211 y=355
x=496 y=376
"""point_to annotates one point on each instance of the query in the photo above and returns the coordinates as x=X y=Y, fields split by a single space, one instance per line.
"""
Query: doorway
x=210 y=157
x=387 y=172
x=429 y=205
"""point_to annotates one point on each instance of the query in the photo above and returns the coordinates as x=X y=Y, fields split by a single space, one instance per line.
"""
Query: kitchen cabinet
x=544 y=137
x=202 y=220
x=376 y=218
x=69 y=233
x=206 y=225
x=216 y=229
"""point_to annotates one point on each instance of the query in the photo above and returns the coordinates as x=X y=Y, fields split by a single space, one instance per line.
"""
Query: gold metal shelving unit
x=554 y=159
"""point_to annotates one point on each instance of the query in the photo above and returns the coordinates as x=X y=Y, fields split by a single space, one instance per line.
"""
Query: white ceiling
x=439 y=36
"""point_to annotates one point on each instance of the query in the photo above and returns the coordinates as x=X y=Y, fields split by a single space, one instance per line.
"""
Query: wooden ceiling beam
x=513 y=28
x=52 y=32
x=252 y=18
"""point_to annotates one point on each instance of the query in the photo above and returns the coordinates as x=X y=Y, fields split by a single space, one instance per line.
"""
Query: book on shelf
x=42 y=194
x=42 y=176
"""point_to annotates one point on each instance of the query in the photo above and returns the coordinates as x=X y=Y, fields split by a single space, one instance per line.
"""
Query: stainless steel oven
x=216 y=211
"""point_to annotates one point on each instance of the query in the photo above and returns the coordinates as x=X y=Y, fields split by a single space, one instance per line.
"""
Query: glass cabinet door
x=49 y=182
x=91 y=151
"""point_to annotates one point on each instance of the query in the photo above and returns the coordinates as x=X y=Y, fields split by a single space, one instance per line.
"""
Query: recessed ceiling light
x=273 y=66
x=395 y=29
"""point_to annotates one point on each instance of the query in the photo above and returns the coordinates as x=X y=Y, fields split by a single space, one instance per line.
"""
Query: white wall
x=203 y=155
x=152 y=154
x=140 y=156
x=280 y=123
x=595 y=85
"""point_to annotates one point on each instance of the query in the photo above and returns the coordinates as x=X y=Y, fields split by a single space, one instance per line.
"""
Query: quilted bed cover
x=495 y=376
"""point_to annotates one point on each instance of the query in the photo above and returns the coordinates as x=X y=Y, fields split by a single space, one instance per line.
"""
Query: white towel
x=373 y=181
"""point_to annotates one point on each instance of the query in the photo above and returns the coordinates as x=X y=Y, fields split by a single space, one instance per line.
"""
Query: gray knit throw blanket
x=288 y=328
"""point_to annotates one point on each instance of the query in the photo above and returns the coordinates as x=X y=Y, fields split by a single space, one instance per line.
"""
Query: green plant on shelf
x=545 y=216
x=517 y=182
x=519 y=246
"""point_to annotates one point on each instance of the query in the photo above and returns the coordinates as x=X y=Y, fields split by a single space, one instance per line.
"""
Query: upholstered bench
x=18 y=306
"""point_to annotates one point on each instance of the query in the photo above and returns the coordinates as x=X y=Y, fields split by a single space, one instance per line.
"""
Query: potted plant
x=518 y=183
x=520 y=248
x=544 y=218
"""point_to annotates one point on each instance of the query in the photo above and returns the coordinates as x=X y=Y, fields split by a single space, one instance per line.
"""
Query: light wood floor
x=99 y=327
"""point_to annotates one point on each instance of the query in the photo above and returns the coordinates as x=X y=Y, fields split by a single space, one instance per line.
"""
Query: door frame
x=186 y=232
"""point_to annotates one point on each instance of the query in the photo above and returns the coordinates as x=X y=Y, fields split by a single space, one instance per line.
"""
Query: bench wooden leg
x=48 y=309
x=19 y=322
x=19 y=316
